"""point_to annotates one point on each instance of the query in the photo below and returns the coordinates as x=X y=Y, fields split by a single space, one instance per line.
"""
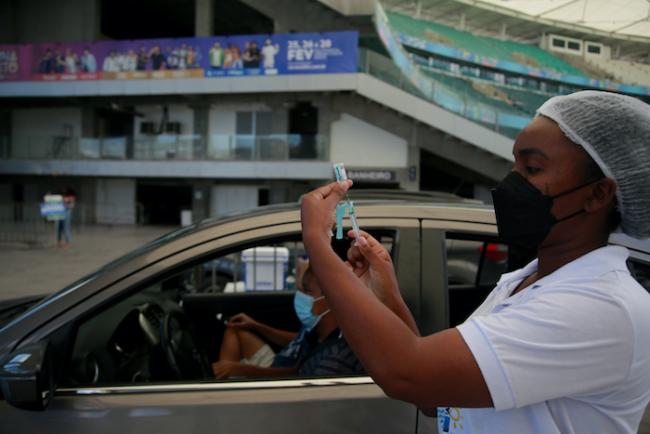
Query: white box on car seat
x=266 y=268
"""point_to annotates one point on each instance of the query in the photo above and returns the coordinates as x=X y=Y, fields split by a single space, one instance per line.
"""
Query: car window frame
x=435 y=292
x=165 y=266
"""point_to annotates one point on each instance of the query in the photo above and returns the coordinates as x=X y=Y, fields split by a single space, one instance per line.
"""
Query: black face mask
x=523 y=212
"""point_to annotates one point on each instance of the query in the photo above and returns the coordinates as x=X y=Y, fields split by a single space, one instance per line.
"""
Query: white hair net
x=615 y=131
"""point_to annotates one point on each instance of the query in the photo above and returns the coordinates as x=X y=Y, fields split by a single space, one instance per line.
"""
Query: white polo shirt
x=569 y=354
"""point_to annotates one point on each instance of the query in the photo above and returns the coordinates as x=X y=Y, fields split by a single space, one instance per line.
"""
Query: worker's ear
x=602 y=195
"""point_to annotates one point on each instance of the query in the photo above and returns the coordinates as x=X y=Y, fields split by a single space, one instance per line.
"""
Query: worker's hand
x=226 y=368
x=372 y=263
x=241 y=321
x=317 y=211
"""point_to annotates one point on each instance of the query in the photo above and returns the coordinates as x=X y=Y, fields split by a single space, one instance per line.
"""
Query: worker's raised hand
x=317 y=211
x=242 y=321
x=372 y=263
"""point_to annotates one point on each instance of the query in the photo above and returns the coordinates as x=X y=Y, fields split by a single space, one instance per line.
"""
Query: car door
x=461 y=261
x=332 y=404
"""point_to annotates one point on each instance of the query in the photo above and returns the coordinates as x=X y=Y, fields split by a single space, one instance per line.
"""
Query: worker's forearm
x=398 y=306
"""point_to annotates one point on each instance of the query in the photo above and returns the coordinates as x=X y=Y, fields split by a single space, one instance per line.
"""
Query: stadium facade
x=150 y=109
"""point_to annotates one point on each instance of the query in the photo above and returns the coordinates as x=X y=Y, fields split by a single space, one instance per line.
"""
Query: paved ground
x=27 y=271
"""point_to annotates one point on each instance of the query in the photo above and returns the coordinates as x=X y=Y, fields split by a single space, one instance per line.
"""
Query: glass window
x=269 y=267
x=573 y=45
x=560 y=43
x=473 y=268
x=594 y=49
x=641 y=272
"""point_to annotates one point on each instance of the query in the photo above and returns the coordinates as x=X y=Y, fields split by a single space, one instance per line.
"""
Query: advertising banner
x=299 y=53
x=14 y=62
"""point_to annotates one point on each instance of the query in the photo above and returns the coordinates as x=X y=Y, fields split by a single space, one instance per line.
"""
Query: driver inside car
x=318 y=349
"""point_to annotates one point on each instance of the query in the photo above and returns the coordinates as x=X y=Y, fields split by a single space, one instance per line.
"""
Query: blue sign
x=53 y=210
x=298 y=53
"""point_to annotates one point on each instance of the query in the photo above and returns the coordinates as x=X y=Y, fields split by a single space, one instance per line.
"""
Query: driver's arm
x=276 y=336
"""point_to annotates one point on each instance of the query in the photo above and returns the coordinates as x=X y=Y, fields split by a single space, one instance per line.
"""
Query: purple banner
x=14 y=62
x=300 y=53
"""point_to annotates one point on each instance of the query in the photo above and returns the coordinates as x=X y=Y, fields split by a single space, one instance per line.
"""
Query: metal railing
x=386 y=70
x=226 y=147
x=22 y=223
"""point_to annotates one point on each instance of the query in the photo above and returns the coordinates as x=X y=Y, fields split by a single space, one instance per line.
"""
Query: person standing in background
x=64 y=226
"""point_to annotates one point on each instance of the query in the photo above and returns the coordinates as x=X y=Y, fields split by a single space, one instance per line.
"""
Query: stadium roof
x=622 y=24
x=624 y=17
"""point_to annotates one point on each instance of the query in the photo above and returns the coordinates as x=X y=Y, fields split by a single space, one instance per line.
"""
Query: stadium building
x=150 y=108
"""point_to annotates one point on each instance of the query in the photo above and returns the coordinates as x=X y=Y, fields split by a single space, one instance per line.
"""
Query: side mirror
x=26 y=377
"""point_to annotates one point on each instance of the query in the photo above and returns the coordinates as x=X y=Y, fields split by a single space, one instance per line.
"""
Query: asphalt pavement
x=29 y=270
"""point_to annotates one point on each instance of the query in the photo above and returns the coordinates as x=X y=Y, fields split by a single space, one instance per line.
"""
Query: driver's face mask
x=523 y=212
x=303 y=304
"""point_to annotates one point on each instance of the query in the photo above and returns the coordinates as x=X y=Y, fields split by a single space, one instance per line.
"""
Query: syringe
x=341 y=175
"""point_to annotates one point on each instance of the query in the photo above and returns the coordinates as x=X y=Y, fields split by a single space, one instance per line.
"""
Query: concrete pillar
x=461 y=22
x=5 y=133
x=483 y=192
x=409 y=179
x=504 y=31
x=200 y=200
x=115 y=201
x=7 y=22
x=39 y=21
x=204 y=17
x=201 y=130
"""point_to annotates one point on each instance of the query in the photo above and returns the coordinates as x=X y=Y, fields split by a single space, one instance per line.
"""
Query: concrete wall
x=347 y=7
x=24 y=21
x=115 y=201
x=153 y=113
x=222 y=125
x=165 y=145
x=360 y=144
x=34 y=130
x=226 y=199
x=44 y=121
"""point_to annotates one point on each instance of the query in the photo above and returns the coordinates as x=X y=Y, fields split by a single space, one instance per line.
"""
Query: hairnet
x=615 y=131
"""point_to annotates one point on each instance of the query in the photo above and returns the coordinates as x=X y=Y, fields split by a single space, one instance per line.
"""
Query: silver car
x=129 y=347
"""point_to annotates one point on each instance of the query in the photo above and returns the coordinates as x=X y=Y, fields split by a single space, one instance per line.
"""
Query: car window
x=172 y=328
x=266 y=267
x=641 y=272
x=474 y=265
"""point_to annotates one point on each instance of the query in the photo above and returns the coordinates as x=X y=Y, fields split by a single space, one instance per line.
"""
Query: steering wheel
x=179 y=347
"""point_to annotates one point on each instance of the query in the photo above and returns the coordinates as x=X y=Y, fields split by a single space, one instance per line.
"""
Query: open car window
x=474 y=265
x=641 y=272
x=171 y=328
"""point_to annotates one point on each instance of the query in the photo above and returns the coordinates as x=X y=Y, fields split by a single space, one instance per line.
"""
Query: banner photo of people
x=298 y=53
x=65 y=62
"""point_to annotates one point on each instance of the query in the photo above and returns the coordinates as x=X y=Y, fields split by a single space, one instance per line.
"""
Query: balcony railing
x=226 y=147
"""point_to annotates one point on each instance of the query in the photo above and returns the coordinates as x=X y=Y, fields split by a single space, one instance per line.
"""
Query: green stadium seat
x=529 y=55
